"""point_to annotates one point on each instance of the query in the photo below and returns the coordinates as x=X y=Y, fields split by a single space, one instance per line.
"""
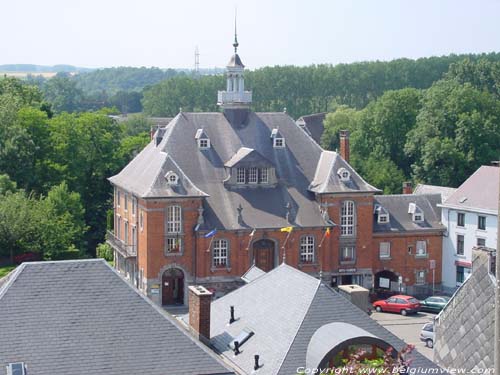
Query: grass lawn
x=5 y=270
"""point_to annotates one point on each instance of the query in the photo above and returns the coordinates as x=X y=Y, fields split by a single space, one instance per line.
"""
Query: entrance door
x=263 y=252
x=172 y=287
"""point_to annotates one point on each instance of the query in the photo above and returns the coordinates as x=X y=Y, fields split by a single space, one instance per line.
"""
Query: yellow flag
x=286 y=229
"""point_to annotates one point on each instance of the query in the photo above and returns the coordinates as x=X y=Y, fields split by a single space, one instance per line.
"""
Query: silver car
x=427 y=335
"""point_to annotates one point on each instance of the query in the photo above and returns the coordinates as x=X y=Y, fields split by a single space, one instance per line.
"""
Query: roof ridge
x=13 y=277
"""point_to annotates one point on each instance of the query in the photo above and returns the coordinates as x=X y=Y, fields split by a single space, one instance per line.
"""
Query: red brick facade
x=195 y=259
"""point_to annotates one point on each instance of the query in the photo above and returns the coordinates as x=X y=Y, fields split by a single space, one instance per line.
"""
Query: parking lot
x=407 y=328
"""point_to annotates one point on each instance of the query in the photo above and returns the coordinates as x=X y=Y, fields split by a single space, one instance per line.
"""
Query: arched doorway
x=172 y=287
x=263 y=254
x=383 y=279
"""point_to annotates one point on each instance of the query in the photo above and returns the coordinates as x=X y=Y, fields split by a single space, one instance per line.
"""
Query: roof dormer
x=278 y=139
x=172 y=178
x=202 y=139
x=344 y=174
x=416 y=212
x=382 y=214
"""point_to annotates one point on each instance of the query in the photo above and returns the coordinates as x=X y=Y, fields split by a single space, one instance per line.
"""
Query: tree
x=343 y=118
x=457 y=130
x=63 y=93
x=380 y=172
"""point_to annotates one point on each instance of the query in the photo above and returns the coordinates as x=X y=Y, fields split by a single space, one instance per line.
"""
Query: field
x=22 y=75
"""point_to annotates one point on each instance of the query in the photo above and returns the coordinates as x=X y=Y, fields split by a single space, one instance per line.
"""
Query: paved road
x=407 y=328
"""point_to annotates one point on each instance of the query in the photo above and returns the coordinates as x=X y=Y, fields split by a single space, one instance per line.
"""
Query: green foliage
x=4 y=271
x=104 y=251
x=380 y=172
x=7 y=185
x=63 y=93
x=343 y=118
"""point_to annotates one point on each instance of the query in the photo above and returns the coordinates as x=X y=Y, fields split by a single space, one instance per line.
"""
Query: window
x=119 y=228
x=240 y=175
x=421 y=248
x=279 y=142
x=461 y=219
x=172 y=178
x=126 y=233
x=307 y=249
x=252 y=175
x=481 y=222
x=174 y=222
x=125 y=204
x=264 y=176
x=460 y=244
x=481 y=241
x=460 y=275
x=204 y=143
x=141 y=220
x=347 y=219
x=343 y=174
x=173 y=245
x=118 y=198
x=420 y=278
x=220 y=253
x=383 y=218
x=134 y=206
x=347 y=254
x=385 y=250
x=418 y=217
x=134 y=235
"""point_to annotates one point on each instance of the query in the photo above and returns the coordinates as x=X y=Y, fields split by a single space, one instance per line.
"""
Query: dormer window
x=382 y=214
x=17 y=368
x=172 y=178
x=278 y=140
x=344 y=174
x=383 y=218
x=202 y=139
x=416 y=212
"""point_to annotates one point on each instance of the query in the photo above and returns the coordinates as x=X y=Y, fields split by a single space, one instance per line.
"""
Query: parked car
x=427 y=335
x=399 y=304
x=434 y=303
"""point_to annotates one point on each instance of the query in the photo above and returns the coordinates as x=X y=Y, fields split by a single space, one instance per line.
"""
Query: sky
x=165 y=33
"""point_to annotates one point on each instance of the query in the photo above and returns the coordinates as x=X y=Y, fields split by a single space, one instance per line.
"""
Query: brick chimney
x=407 y=188
x=344 y=144
x=199 y=311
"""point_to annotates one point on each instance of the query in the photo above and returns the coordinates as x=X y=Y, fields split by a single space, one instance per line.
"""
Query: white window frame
x=351 y=250
x=263 y=175
x=343 y=174
x=118 y=197
x=141 y=220
x=125 y=202
x=461 y=215
x=119 y=228
x=385 y=250
x=203 y=143
x=479 y=217
x=278 y=142
x=134 y=206
x=173 y=244
x=174 y=219
x=125 y=230
x=347 y=218
x=220 y=253
x=480 y=239
x=419 y=246
x=241 y=175
x=307 y=249
x=172 y=178
x=418 y=217
x=420 y=277
x=383 y=218
x=253 y=175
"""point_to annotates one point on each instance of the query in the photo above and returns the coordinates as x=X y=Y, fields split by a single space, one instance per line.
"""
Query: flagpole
x=284 y=244
x=210 y=244
x=324 y=236
x=251 y=238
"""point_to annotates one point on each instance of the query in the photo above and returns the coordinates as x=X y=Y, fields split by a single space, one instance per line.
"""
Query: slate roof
x=235 y=61
x=252 y=274
x=478 y=192
x=302 y=168
x=81 y=317
x=313 y=125
x=399 y=218
x=423 y=189
x=284 y=308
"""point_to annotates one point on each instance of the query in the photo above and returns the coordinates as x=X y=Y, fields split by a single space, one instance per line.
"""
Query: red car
x=399 y=304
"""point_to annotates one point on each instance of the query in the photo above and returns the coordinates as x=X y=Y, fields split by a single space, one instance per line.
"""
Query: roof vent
x=462 y=200
x=241 y=339
x=231 y=319
x=17 y=368
x=256 y=366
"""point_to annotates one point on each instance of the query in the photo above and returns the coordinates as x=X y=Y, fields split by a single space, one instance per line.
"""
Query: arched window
x=220 y=253
x=306 y=249
x=347 y=219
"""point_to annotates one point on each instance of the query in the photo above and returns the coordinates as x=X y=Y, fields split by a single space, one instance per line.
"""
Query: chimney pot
x=256 y=366
x=199 y=311
x=407 y=187
x=236 y=348
x=344 y=145
x=232 y=320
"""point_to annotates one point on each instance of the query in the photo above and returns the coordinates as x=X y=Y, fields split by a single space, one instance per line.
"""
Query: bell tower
x=235 y=95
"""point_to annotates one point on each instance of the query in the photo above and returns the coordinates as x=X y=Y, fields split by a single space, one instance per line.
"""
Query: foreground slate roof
x=423 y=189
x=81 y=317
x=302 y=167
x=478 y=192
x=399 y=218
x=284 y=308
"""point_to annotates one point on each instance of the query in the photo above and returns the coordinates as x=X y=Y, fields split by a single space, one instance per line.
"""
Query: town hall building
x=213 y=194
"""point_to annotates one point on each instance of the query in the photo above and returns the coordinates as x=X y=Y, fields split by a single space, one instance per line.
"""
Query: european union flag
x=211 y=233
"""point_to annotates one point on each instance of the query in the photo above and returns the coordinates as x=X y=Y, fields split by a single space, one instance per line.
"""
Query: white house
x=470 y=215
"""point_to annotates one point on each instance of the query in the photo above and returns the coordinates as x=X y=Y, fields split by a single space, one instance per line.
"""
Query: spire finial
x=235 y=44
